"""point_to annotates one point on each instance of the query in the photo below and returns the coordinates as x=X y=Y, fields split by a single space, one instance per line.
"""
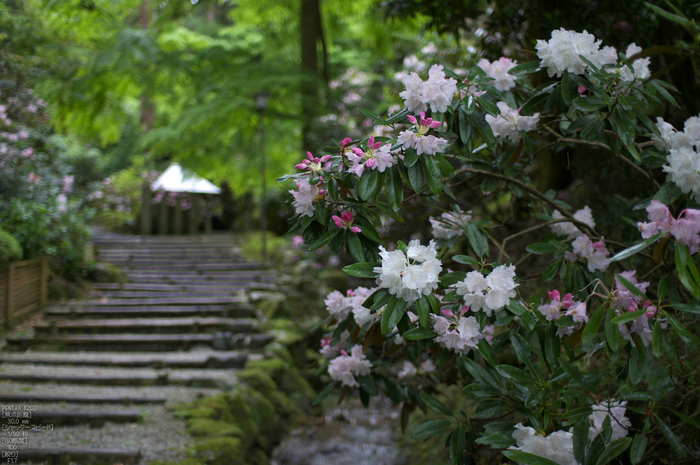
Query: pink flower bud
x=581 y=89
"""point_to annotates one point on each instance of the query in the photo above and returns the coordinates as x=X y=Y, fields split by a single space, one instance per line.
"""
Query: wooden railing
x=22 y=290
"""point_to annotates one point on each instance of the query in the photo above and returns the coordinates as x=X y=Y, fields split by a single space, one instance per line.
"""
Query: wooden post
x=178 y=218
x=193 y=225
x=146 y=213
x=43 y=283
x=163 y=213
x=9 y=295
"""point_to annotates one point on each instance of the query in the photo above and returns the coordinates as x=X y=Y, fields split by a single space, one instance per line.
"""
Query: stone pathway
x=100 y=375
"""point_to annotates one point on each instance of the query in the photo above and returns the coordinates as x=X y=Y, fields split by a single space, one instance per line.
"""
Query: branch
x=527 y=231
x=603 y=146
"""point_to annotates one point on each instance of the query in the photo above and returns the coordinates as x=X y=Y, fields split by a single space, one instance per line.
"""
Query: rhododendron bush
x=590 y=360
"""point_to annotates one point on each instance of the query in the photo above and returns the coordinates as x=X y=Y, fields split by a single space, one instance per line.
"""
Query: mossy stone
x=222 y=451
x=204 y=427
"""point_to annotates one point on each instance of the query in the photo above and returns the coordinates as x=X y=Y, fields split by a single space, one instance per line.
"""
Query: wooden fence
x=22 y=290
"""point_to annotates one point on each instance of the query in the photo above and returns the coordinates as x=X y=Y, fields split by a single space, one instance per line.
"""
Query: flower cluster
x=305 y=197
x=460 y=337
x=376 y=157
x=498 y=70
x=553 y=310
x=340 y=306
x=345 y=367
x=345 y=220
x=507 y=124
x=595 y=253
x=437 y=92
x=488 y=293
x=409 y=369
x=683 y=157
x=585 y=215
x=685 y=229
x=557 y=447
x=420 y=139
x=564 y=50
x=313 y=164
x=412 y=274
x=449 y=225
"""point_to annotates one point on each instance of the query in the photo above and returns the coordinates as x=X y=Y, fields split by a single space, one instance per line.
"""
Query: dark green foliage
x=10 y=250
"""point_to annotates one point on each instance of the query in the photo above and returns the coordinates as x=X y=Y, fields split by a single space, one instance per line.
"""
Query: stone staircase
x=176 y=330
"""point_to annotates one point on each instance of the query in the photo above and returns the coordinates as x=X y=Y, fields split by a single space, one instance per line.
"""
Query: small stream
x=347 y=435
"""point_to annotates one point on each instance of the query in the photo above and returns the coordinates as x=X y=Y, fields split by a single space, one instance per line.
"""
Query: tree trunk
x=148 y=106
x=311 y=35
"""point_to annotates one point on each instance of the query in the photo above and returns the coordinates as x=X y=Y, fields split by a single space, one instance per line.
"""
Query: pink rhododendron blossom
x=313 y=164
x=686 y=229
x=460 y=337
x=376 y=157
x=345 y=367
x=578 y=312
x=345 y=142
x=329 y=351
x=660 y=220
x=344 y=221
x=498 y=70
x=595 y=253
x=585 y=215
x=552 y=310
x=420 y=140
x=33 y=178
x=507 y=124
x=488 y=293
x=626 y=301
x=305 y=197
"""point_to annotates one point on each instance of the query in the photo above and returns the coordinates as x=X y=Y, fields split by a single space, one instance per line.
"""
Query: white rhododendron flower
x=561 y=52
x=304 y=197
x=498 y=70
x=437 y=92
x=490 y=293
x=619 y=422
x=407 y=370
x=412 y=274
x=684 y=170
x=557 y=447
x=449 y=225
x=507 y=124
x=341 y=306
x=595 y=253
x=345 y=367
x=585 y=215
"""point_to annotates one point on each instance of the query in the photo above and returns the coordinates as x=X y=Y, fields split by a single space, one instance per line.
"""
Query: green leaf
x=685 y=22
x=398 y=117
x=574 y=373
x=592 y=327
x=325 y=239
x=525 y=457
x=362 y=270
x=540 y=248
x=569 y=89
x=612 y=332
x=588 y=103
x=512 y=372
x=660 y=89
x=481 y=375
x=466 y=260
x=392 y=314
x=534 y=105
x=479 y=391
x=670 y=437
x=431 y=168
x=484 y=129
x=430 y=428
x=693 y=308
x=394 y=188
x=525 y=68
x=392 y=391
x=657 y=343
x=457 y=444
x=682 y=332
x=418 y=333
x=639 y=445
x=355 y=248
x=581 y=429
x=435 y=404
x=497 y=441
x=465 y=128
x=550 y=272
x=489 y=408
x=423 y=313
x=613 y=450
x=636 y=248
x=625 y=127
x=327 y=390
x=477 y=240
x=628 y=316
x=369 y=184
x=415 y=177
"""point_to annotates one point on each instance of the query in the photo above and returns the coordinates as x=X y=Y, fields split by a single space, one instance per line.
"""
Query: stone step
x=204 y=359
x=174 y=378
x=50 y=398
x=75 y=455
x=199 y=266
x=146 y=311
x=238 y=274
x=156 y=325
x=232 y=292
x=201 y=286
x=94 y=419
x=174 y=253
x=155 y=301
x=154 y=342
x=201 y=262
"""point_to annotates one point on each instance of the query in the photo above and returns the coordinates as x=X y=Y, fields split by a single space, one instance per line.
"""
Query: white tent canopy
x=175 y=179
